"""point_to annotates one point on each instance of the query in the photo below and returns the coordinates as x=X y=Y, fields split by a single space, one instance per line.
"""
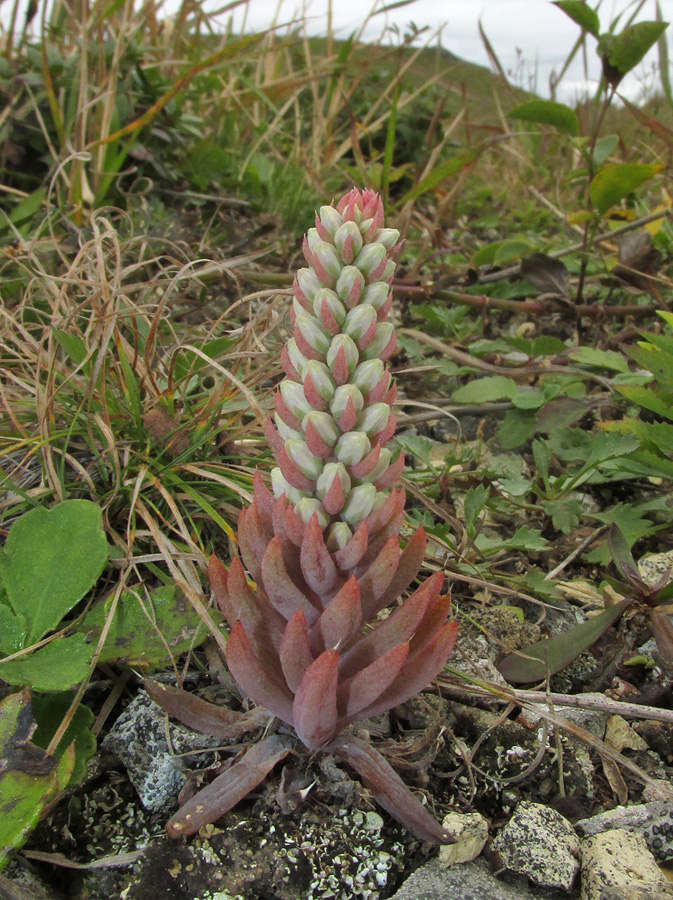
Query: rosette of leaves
x=307 y=642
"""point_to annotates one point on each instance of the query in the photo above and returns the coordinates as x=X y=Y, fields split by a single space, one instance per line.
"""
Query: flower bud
x=342 y=395
x=360 y=323
x=307 y=507
x=388 y=272
x=284 y=430
x=348 y=242
x=389 y=237
x=329 y=473
x=312 y=239
x=324 y=424
x=383 y=339
x=359 y=503
x=326 y=263
x=372 y=257
x=368 y=374
x=350 y=284
x=380 y=467
x=330 y=220
x=308 y=286
x=297 y=358
x=351 y=353
x=376 y=294
x=293 y=396
x=321 y=379
x=334 y=305
x=299 y=454
x=337 y=536
x=374 y=418
x=352 y=447
x=281 y=488
x=308 y=329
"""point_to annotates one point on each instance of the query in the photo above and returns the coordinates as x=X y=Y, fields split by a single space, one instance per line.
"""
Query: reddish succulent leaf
x=314 y=442
x=380 y=539
x=275 y=440
x=341 y=619
x=260 y=620
x=315 y=710
x=391 y=474
x=360 y=691
x=256 y=675
x=295 y=652
x=388 y=431
x=389 y=790
x=317 y=565
x=352 y=553
x=379 y=574
x=434 y=618
x=294 y=527
x=264 y=500
x=379 y=390
x=410 y=562
x=283 y=593
x=231 y=787
x=334 y=498
x=549 y=656
x=284 y=413
x=366 y=464
x=252 y=540
x=217 y=576
x=206 y=718
x=393 y=503
x=399 y=626
x=662 y=629
x=417 y=672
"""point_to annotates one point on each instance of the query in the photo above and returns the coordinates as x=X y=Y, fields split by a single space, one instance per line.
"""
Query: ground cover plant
x=157 y=176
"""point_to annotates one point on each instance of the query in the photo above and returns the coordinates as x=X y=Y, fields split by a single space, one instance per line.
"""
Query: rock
x=620 y=735
x=654 y=821
x=539 y=843
x=138 y=740
x=471 y=831
x=471 y=881
x=616 y=860
x=654 y=565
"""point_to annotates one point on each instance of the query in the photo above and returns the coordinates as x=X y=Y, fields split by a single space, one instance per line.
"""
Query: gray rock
x=614 y=860
x=654 y=821
x=540 y=843
x=138 y=739
x=471 y=833
x=471 y=881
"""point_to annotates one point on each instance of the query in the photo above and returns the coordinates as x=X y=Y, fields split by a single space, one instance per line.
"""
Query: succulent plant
x=307 y=641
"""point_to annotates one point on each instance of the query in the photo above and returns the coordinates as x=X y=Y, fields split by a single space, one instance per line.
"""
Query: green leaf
x=475 y=500
x=581 y=13
x=600 y=359
x=500 y=252
x=12 y=630
x=51 y=559
x=564 y=513
x=146 y=628
x=659 y=363
x=625 y=50
x=542 y=457
x=28 y=206
x=29 y=779
x=612 y=183
x=524 y=538
x=49 y=712
x=553 y=654
x=58 y=666
x=417 y=446
x=648 y=398
x=187 y=362
x=73 y=344
x=603 y=148
x=444 y=170
x=547 y=112
x=517 y=426
x=486 y=390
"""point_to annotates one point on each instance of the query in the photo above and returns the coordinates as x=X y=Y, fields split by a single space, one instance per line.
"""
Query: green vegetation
x=156 y=177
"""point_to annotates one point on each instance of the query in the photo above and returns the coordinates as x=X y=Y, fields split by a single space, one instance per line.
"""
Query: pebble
x=540 y=843
x=619 y=859
x=471 y=832
x=654 y=821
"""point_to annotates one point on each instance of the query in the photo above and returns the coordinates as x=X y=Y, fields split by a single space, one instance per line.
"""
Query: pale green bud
x=284 y=430
x=350 y=349
x=370 y=258
x=324 y=424
x=308 y=283
x=304 y=460
x=376 y=294
x=359 y=320
x=374 y=418
x=368 y=374
x=348 y=241
x=337 y=536
x=352 y=447
x=312 y=332
x=334 y=305
x=388 y=271
x=307 y=506
x=281 y=488
x=384 y=332
x=359 y=504
x=330 y=219
x=321 y=377
x=297 y=358
x=328 y=258
x=350 y=285
x=313 y=239
x=293 y=397
x=342 y=395
x=389 y=237
x=329 y=473
x=380 y=467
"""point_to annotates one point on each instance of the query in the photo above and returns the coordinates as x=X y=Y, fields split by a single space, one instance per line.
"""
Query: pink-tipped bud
x=305 y=287
x=318 y=384
x=359 y=504
x=302 y=458
x=361 y=325
x=380 y=467
x=292 y=394
x=387 y=272
x=345 y=347
x=368 y=375
x=327 y=221
x=384 y=342
x=284 y=430
x=296 y=358
x=310 y=336
x=372 y=206
x=350 y=285
x=337 y=536
x=329 y=310
x=374 y=418
x=282 y=488
x=324 y=426
x=389 y=237
x=348 y=242
x=375 y=294
x=352 y=447
x=345 y=394
x=312 y=239
x=308 y=507
x=372 y=259
x=325 y=260
x=333 y=486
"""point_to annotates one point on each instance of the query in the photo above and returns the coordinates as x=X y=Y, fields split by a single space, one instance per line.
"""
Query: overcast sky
x=540 y=31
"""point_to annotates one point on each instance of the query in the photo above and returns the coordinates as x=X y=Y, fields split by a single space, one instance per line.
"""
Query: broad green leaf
x=625 y=50
x=612 y=183
x=146 y=628
x=58 y=666
x=500 y=252
x=12 y=630
x=570 y=444
x=646 y=397
x=604 y=147
x=416 y=445
x=51 y=559
x=475 y=500
x=72 y=344
x=602 y=359
x=524 y=538
x=49 y=712
x=28 y=206
x=555 y=653
x=660 y=364
x=564 y=513
x=547 y=112
x=444 y=170
x=542 y=457
x=517 y=426
x=29 y=779
x=632 y=523
x=581 y=13
x=187 y=362
x=486 y=390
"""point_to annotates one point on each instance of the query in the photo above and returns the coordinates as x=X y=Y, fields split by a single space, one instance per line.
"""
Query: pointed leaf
x=252 y=540
x=315 y=709
x=623 y=558
x=231 y=787
x=389 y=790
x=547 y=112
x=581 y=13
x=260 y=620
x=551 y=655
x=317 y=565
x=379 y=575
x=390 y=506
x=407 y=569
x=295 y=651
x=612 y=183
x=283 y=593
x=264 y=501
x=341 y=619
x=369 y=683
x=200 y=715
x=625 y=50
x=217 y=576
x=352 y=553
x=256 y=676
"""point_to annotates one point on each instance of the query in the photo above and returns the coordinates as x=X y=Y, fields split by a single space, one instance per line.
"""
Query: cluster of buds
x=307 y=642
